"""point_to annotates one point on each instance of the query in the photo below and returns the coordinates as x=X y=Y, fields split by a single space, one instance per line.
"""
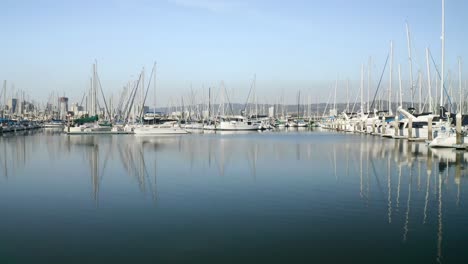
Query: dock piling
x=410 y=128
x=429 y=129
x=458 y=128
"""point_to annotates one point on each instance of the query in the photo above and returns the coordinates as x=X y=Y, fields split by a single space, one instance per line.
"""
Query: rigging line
x=227 y=97
x=131 y=85
x=440 y=77
x=355 y=102
x=82 y=99
x=147 y=89
x=103 y=97
x=380 y=81
x=133 y=99
x=248 y=95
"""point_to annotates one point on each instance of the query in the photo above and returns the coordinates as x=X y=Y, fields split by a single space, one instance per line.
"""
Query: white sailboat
x=447 y=136
x=237 y=122
x=54 y=124
x=166 y=128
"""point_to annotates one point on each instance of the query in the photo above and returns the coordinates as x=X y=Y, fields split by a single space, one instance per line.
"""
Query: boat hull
x=159 y=131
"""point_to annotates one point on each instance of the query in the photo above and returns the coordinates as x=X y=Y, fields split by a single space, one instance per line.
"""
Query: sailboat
x=167 y=128
x=54 y=124
x=159 y=129
x=447 y=136
x=89 y=124
x=237 y=122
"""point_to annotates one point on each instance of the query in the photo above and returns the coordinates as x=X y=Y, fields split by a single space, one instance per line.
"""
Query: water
x=273 y=197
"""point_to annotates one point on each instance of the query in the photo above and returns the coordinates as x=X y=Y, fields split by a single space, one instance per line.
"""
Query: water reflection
x=406 y=187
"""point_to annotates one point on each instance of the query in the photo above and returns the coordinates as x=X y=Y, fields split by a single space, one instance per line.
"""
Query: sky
x=49 y=46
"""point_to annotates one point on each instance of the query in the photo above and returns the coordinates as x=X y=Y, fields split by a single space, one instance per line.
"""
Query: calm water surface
x=273 y=197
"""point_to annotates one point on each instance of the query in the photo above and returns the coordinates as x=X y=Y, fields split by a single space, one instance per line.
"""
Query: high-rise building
x=63 y=107
x=12 y=105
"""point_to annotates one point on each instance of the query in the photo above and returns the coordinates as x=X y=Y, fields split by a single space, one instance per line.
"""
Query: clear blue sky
x=290 y=45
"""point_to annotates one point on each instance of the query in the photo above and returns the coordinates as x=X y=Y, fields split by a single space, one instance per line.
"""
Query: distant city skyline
x=50 y=46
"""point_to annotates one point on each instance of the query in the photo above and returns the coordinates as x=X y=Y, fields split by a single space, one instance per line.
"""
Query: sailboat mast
x=362 y=89
x=93 y=94
x=4 y=93
x=142 y=109
x=368 y=83
x=298 y=102
x=256 y=105
x=420 y=91
x=96 y=110
x=390 y=80
x=154 y=88
x=223 y=95
x=399 y=78
x=443 y=60
x=89 y=99
x=460 y=104
x=410 y=62
x=429 y=87
x=334 y=102
x=347 y=95
x=255 y=96
x=209 y=103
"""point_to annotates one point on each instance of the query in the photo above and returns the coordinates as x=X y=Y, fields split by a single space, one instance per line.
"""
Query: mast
x=460 y=104
x=420 y=91
x=96 y=110
x=209 y=103
x=443 y=61
x=182 y=115
x=255 y=95
x=362 y=89
x=4 y=93
x=399 y=78
x=88 y=99
x=368 y=83
x=334 y=102
x=154 y=99
x=93 y=95
x=298 y=102
x=317 y=114
x=142 y=109
x=347 y=95
x=410 y=63
x=390 y=80
x=429 y=87
x=223 y=95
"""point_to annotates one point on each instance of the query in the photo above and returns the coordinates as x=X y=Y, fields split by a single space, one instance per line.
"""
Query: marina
x=234 y=131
